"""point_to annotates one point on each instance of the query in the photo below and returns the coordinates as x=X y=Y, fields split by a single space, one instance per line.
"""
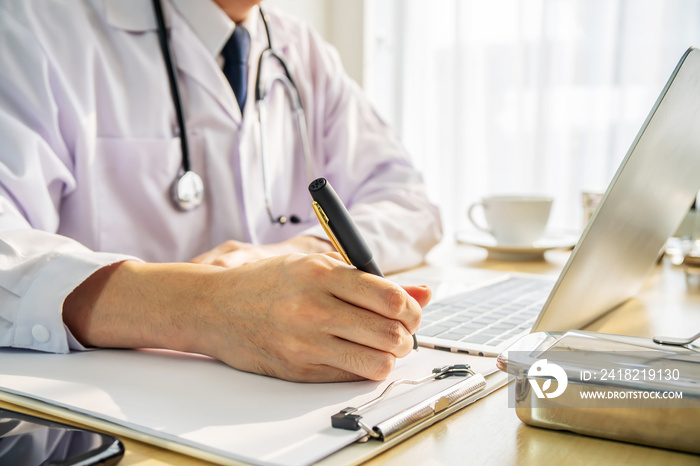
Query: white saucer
x=550 y=240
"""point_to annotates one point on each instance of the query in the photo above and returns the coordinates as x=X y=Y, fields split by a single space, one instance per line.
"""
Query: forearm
x=299 y=317
x=137 y=305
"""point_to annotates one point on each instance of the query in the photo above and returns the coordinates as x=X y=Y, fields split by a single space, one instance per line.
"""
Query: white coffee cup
x=589 y=202
x=513 y=219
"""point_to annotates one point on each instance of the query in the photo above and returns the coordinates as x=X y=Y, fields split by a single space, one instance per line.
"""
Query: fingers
x=335 y=255
x=234 y=253
x=210 y=257
x=322 y=373
x=361 y=360
x=380 y=296
x=377 y=312
x=367 y=328
x=421 y=294
x=336 y=360
x=312 y=318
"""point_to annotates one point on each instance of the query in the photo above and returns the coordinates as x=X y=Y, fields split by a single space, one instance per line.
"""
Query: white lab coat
x=89 y=148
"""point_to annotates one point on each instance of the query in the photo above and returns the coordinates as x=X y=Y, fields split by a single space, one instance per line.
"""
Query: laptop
x=644 y=204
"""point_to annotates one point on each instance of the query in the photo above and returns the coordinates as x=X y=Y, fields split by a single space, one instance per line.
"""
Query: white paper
x=197 y=401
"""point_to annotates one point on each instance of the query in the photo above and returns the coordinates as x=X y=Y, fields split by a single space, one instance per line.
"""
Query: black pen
x=341 y=230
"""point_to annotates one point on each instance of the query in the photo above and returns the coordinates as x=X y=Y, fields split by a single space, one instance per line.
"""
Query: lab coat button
x=41 y=333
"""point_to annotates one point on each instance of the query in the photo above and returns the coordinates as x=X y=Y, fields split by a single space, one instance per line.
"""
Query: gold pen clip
x=323 y=219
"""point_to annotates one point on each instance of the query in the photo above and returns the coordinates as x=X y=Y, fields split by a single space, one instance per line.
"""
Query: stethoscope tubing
x=173 y=82
x=188 y=189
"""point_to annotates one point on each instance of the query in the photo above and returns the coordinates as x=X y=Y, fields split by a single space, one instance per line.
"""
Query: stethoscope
x=187 y=191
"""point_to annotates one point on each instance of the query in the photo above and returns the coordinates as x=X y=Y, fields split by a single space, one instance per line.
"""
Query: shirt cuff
x=39 y=325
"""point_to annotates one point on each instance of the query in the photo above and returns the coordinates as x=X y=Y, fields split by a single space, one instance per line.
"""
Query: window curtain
x=521 y=96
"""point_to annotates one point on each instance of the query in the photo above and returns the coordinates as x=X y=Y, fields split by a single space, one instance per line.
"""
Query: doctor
x=105 y=244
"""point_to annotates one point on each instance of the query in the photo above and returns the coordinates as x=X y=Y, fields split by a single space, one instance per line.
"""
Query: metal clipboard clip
x=351 y=418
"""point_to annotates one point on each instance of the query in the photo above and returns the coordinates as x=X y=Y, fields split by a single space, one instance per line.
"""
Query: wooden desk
x=489 y=432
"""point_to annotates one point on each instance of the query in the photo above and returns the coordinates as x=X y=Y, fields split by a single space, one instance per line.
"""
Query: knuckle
x=220 y=262
x=294 y=354
x=397 y=300
x=394 y=333
x=296 y=362
x=297 y=351
x=316 y=266
x=300 y=373
x=263 y=368
x=352 y=361
x=344 y=376
x=383 y=365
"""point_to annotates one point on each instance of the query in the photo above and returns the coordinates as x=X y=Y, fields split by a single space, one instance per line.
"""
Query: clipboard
x=201 y=407
x=468 y=382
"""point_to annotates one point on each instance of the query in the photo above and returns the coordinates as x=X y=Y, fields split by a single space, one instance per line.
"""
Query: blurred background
x=510 y=96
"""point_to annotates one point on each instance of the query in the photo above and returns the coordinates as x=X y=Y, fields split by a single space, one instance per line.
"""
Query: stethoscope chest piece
x=187 y=190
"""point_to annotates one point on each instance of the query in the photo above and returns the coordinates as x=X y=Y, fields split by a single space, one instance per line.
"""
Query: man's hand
x=298 y=317
x=233 y=253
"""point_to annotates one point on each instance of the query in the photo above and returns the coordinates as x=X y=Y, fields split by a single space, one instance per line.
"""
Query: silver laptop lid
x=643 y=205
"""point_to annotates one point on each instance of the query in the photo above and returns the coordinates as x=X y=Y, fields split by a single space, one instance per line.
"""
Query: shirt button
x=41 y=333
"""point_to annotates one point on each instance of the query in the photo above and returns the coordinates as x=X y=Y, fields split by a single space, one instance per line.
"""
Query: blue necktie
x=235 y=55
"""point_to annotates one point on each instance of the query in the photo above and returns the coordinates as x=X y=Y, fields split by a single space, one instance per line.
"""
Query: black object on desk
x=342 y=231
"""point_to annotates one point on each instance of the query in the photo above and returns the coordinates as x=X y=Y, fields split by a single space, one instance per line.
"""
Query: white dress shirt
x=89 y=148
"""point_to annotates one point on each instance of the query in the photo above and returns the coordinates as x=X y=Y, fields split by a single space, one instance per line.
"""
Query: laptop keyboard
x=487 y=315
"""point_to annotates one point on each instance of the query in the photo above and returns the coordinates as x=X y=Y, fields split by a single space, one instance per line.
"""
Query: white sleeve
x=38 y=268
x=369 y=168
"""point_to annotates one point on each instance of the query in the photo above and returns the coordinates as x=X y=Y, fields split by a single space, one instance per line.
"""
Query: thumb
x=422 y=294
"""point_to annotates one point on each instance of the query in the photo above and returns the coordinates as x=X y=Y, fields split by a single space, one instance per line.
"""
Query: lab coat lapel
x=130 y=15
x=190 y=55
x=194 y=59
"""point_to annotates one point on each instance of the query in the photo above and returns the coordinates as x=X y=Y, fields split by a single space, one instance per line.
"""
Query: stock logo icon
x=542 y=368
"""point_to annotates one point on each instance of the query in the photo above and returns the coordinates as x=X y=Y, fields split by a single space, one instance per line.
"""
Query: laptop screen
x=645 y=202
